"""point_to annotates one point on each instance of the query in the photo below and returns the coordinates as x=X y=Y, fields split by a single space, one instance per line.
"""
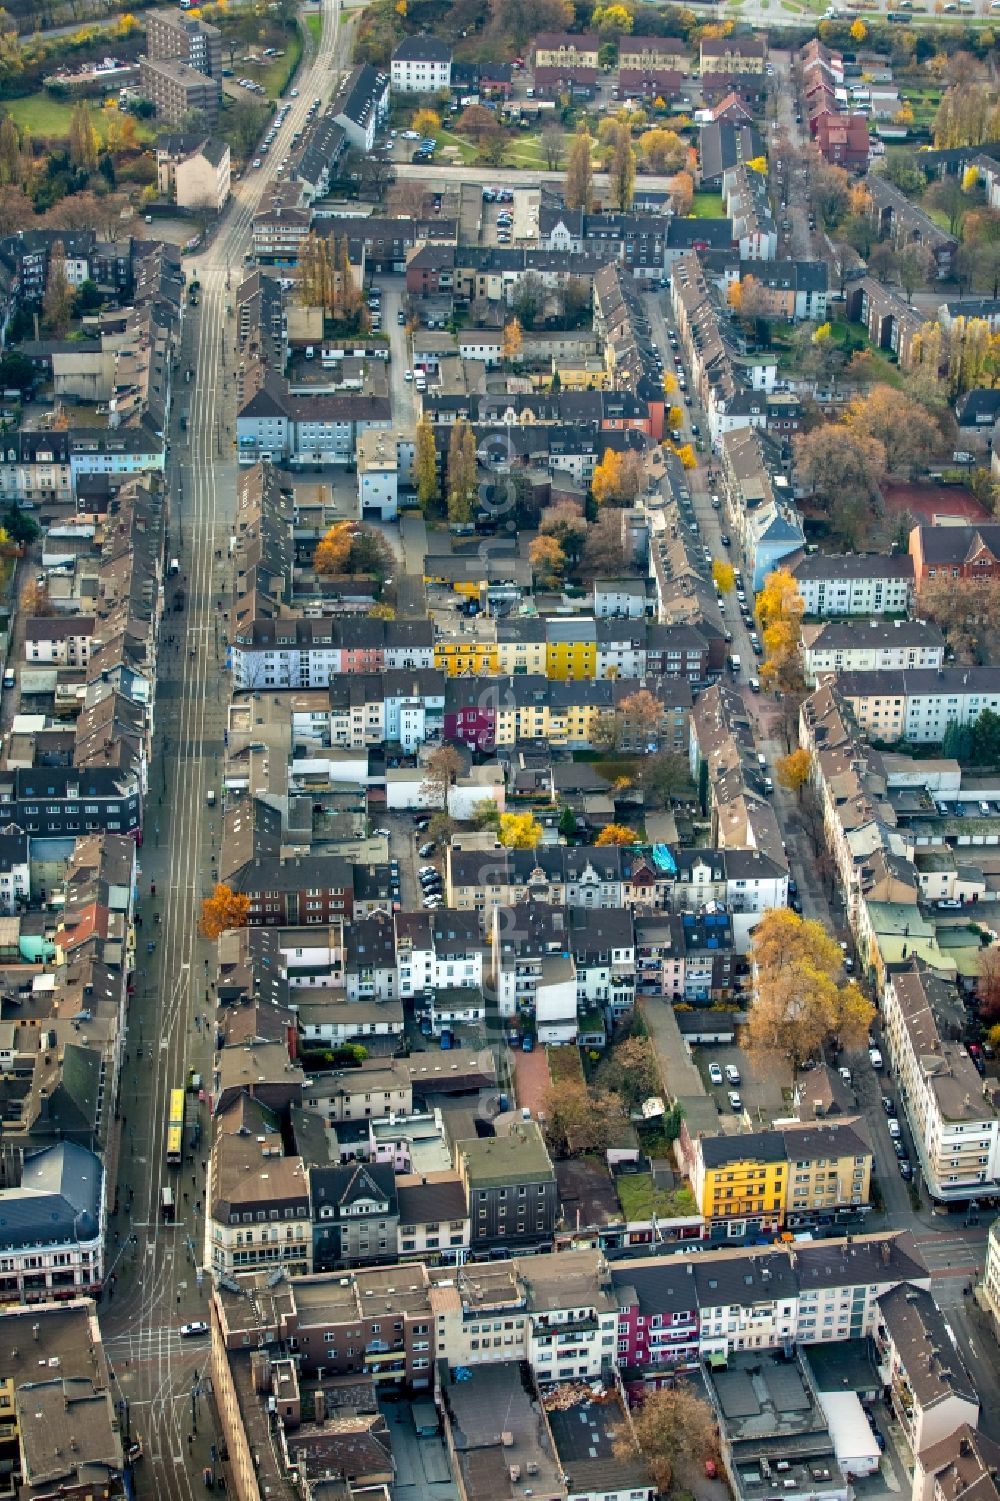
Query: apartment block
x=177 y=90
x=953 y=1121
x=171 y=34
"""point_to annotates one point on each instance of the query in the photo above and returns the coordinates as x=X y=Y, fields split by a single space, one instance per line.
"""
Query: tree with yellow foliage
x=780 y=608
x=616 y=833
x=223 y=910
x=612 y=18
x=723 y=576
x=519 y=831
x=794 y=770
x=669 y=383
x=798 y=1003
x=687 y=456
x=675 y=416
x=662 y=150
x=758 y=164
x=427 y=121
x=125 y=25
x=858 y=30
x=618 y=478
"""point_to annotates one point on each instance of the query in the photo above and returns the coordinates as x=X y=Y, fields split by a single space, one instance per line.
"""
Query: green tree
x=11 y=164
x=986 y=739
x=567 y=823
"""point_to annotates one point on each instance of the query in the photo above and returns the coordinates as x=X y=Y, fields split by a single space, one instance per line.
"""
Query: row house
x=893 y=324
x=766 y=523
x=746 y=203
x=438 y=951
x=271 y=423
x=552 y=964
x=906 y=224
x=919 y=705
x=732 y=387
x=571 y=1315
x=312 y=652
x=793 y=290
x=259 y=1212
x=869 y=646
x=865 y=584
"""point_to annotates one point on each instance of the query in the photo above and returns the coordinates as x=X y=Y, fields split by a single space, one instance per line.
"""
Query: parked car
x=894 y=1128
x=888 y=1105
x=715 y=1073
x=875 y=1059
x=735 y=1103
x=733 y=1074
x=427 y=849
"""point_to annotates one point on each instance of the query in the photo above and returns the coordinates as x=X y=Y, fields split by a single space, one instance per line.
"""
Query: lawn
x=45 y=116
x=526 y=151
x=640 y=1200
x=277 y=72
x=706 y=206
x=466 y=150
x=314 y=26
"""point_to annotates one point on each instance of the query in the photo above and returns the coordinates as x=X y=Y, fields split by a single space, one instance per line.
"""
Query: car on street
x=894 y=1128
x=905 y=1169
x=408 y=375
x=428 y=870
x=191 y=1331
x=715 y=1073
x=427 y=849
x=898 y=1148
x=726 y=539
x=888 y=1104
x=875 y=1058
x=429 y=903
x=845 y=1074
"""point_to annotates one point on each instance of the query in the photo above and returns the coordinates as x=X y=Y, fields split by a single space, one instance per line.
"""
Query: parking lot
x=761 y=1086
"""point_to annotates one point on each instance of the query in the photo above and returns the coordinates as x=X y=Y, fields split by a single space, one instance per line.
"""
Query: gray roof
x=918 y=1329
x=59 y=1199
x=422 y=49
x=420 y=1203
x=821 y=565
x=750 y=1146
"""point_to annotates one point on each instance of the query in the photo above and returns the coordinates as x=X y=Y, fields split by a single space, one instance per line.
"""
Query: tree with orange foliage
x=616 y=833
x=682 y=193
x=223 y=910
x=334 y=550
x=793 y=770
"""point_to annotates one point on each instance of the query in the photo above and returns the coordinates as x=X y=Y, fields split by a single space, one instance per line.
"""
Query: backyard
x=706 y=206
x=640 y=1200
x=49 y=118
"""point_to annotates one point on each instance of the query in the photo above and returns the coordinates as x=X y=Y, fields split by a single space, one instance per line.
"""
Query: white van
x=210 y=797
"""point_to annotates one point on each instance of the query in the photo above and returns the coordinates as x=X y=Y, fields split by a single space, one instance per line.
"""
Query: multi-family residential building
x=869 y=646
x=956 y=552
x=921 y=704
x=511 y=1188
x=179 y=91
x=421 y=65
x=194 y=172
x=361 y=105
x=438 y=951
x=52 y=1227
x=566 y=50
x=187 y=39
x=258 y=1207
x=434 y=1223
x=760 y=1181
x=862 y=584
x=930 y=1392
x=355 y=1215
x=733 y=54
x=954 y=1123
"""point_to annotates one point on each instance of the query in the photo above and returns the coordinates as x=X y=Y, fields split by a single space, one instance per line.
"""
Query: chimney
x=320 y=1408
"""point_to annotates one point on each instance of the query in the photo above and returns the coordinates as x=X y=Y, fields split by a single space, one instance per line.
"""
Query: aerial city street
x=500 y=880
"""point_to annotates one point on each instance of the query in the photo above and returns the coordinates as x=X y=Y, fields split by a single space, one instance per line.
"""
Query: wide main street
x=156 y=1286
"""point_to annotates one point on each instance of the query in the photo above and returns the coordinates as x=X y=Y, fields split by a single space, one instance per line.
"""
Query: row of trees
x=325 y=280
